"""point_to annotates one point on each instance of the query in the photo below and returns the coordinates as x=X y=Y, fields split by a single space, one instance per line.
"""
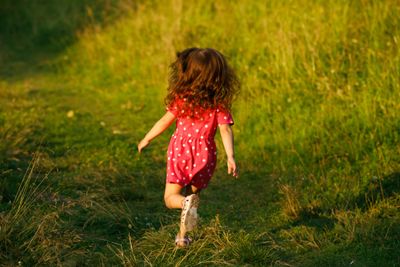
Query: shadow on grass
x=374 y=243
x=33 y=33
x=377 y=190
x=315 y=220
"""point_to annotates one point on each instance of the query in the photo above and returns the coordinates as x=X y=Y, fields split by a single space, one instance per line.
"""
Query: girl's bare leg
x=172 y=196
x=174 y=200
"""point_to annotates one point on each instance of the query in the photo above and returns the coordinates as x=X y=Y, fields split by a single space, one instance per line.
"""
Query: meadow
x=317 y=133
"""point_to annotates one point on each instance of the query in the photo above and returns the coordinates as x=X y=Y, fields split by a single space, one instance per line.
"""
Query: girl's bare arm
x=159 y=127
x=227 y=139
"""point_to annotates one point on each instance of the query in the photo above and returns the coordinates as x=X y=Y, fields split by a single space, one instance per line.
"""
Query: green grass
x=316 y=131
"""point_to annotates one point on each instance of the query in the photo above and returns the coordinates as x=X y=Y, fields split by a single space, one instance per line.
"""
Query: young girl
x=200 y=93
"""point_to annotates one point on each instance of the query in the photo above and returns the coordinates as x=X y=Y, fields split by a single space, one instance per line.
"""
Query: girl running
x=200 y=93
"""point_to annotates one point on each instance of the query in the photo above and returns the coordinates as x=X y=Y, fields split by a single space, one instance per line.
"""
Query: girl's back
x=200 y=93
x=192 y=153
x=202 y=125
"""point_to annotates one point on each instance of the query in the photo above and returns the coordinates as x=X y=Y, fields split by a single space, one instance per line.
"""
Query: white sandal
x=182 y=242
x=189 y=213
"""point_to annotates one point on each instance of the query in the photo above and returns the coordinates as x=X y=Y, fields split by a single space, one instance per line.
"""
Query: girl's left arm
x=159 y=127
x=227 y=140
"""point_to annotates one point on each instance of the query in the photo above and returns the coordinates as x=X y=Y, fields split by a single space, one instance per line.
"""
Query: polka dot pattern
x=192 y=152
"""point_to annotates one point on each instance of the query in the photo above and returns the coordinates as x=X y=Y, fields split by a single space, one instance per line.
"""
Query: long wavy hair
x=203 y=78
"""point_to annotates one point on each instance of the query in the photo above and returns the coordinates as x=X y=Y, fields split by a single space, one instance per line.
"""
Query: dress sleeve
x=173 y=108
x=224 y=117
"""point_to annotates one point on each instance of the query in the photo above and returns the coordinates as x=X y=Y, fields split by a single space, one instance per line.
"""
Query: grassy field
x=317 y=132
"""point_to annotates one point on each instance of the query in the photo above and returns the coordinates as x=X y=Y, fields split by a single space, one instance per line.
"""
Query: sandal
x=182 y=242
x=189 y=213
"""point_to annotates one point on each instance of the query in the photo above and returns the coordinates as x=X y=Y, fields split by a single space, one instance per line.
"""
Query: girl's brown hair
x=203 y=78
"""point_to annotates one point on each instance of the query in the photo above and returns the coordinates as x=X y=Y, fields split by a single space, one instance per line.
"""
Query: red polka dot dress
x=192 y=154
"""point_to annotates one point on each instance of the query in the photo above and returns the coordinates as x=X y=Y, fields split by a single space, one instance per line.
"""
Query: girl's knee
x=172 y=195
x=173 y=201
x=167 y=201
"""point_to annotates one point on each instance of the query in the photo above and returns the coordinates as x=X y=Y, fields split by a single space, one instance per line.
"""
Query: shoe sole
x=182 y=242
x=190 y=202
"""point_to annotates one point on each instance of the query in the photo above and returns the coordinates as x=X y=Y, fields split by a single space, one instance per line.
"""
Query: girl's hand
x=142 y=144
x=232 y=168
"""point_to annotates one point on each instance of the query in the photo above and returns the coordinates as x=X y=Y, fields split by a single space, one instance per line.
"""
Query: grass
x=316 y=129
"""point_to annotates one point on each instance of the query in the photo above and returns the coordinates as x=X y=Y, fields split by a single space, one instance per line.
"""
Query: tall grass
x=24 y=229
x=319 y=79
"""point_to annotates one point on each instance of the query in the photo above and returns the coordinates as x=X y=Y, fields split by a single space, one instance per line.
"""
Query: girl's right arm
x=227 y=139
x=159 y=127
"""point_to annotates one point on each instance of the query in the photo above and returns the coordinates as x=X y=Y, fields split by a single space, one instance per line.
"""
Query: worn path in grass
x=103 y=202
x=100 y=190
